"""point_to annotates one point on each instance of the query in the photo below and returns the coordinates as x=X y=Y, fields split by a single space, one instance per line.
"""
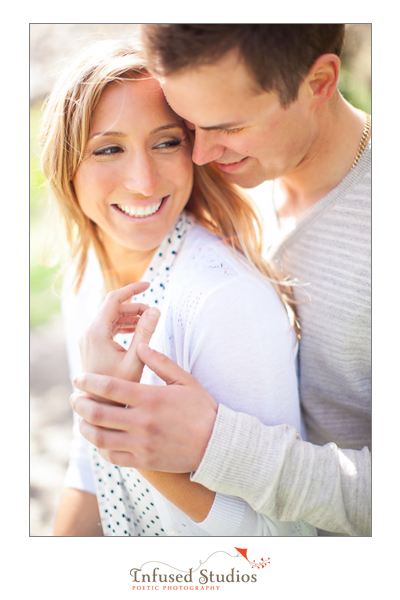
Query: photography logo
x=170 y=578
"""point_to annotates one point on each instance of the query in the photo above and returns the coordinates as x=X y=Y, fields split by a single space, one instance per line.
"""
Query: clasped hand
x=100 y=353
x=166 y=428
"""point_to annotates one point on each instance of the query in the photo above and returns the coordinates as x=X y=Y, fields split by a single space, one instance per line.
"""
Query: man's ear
x=322 y=78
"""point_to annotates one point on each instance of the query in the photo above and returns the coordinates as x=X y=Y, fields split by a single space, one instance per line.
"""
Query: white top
x=326 y=482
x=224 y=324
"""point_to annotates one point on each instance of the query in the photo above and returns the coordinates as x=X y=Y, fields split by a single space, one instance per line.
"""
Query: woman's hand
x=100 y=353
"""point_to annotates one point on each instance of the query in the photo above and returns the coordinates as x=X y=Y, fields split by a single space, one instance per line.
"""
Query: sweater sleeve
x=286 y=478
x=79 y=473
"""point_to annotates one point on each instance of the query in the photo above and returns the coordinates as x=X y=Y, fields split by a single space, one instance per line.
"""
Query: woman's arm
x=77 y=515
x=192 y=498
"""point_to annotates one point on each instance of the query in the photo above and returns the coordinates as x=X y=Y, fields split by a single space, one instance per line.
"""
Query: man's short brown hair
x=278 y=56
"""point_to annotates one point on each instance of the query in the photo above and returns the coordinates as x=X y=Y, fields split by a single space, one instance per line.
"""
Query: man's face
x=241 y=128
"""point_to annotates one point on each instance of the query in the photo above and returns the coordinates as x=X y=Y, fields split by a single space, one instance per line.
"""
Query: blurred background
x=51 y=46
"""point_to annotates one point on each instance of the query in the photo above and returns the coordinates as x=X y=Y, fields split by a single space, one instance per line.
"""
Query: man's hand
x=165 y=428
x=100 y=353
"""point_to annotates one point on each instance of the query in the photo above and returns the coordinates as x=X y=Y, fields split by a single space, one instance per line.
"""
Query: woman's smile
x=142 y=210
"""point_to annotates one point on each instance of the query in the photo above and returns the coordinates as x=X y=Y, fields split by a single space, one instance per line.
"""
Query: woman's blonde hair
x=216 y=204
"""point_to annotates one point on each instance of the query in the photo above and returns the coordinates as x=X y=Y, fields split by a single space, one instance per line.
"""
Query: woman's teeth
x=140 y=211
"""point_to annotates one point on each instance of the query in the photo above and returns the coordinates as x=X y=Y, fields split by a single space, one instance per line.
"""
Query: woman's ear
x=323 y=77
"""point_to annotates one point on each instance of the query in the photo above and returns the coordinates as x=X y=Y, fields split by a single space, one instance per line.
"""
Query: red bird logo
x=243 y=552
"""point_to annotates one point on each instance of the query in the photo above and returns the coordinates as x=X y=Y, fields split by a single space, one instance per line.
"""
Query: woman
x=119 y=163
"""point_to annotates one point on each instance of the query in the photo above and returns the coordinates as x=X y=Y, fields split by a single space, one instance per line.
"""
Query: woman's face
x=137 y=173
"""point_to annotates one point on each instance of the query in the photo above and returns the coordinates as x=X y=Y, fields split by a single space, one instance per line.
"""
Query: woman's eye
x=108 y=151
x=168 y=144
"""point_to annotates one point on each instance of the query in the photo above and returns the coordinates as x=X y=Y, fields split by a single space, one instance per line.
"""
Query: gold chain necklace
x=363 y=142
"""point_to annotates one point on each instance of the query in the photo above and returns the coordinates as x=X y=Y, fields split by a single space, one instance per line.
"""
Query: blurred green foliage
x=355 y=72
x=357 y=92
x=44 y=302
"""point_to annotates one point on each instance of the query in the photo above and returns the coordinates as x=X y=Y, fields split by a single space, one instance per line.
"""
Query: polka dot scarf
x=125 y=502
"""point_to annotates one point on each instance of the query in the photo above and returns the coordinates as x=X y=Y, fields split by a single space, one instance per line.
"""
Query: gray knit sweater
x=326 y=480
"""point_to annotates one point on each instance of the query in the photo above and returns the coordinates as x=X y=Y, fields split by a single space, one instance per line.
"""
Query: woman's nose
x=141 y=175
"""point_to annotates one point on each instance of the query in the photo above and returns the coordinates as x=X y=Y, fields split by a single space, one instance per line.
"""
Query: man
x=263 y=103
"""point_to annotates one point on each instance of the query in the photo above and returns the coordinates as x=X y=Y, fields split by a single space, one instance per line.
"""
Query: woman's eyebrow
x=165 y=127
x=119 y=134
x=104 y=133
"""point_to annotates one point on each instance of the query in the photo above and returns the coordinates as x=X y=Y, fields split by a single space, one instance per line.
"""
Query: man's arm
x=177 y=429
x=286 y=478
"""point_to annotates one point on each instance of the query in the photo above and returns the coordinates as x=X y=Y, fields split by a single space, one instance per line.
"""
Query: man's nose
x=206 y=149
